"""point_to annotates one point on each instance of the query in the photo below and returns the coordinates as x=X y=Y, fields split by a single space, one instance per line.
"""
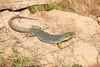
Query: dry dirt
x=83 y=49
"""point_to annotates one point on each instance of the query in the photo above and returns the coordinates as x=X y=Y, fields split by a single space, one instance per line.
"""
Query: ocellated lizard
x=42 y=35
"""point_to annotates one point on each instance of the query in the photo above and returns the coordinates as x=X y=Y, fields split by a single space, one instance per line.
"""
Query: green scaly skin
x=42 y=35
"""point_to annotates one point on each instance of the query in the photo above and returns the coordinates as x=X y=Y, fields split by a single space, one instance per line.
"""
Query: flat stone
x=19 y=4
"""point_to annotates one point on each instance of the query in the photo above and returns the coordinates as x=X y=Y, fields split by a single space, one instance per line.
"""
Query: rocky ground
x=83 y=49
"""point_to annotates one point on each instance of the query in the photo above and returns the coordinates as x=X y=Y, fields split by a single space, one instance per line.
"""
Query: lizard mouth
x=72 y=35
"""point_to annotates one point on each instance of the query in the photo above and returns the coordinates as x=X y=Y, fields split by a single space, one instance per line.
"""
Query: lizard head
x=68 y=36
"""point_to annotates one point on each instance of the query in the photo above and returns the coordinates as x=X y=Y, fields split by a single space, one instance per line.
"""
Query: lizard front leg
x=59 y=45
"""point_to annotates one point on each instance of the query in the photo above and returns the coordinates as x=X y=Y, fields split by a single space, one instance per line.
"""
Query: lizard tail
x=18 y=29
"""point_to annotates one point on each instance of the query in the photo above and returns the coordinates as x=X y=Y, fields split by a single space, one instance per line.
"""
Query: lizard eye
x=70 y=35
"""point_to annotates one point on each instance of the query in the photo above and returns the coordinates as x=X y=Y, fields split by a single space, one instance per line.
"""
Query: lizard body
x=42 y=35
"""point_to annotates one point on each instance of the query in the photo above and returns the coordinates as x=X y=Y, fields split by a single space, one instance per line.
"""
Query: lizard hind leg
x=32 y=34
x=29 y=35
x=36 y=27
